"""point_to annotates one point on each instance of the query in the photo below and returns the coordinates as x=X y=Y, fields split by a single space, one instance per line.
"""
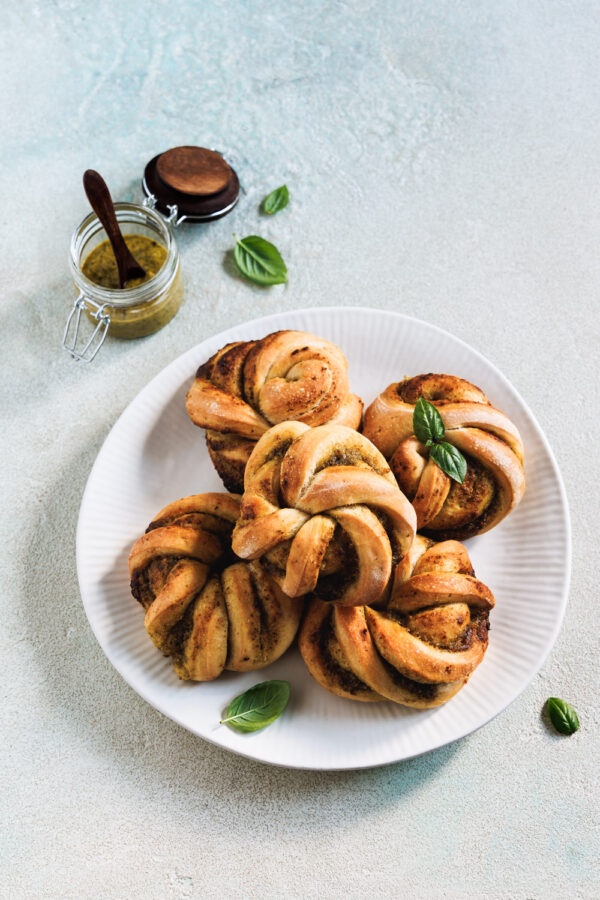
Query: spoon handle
x=101 y=202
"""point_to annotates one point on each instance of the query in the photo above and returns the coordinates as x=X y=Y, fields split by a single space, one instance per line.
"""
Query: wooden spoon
x=101 y=202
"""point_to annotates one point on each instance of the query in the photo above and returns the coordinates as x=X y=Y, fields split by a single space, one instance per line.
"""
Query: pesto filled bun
x=248 y=386
x=489 y=442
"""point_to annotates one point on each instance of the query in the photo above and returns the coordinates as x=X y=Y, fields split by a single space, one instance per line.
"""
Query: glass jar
x=127 y=312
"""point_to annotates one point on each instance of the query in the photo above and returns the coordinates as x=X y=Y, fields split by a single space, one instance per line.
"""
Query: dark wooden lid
x=193 y=170
x=207 y=186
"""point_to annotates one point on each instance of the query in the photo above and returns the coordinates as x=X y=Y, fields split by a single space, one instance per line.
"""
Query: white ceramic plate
x=154 y=455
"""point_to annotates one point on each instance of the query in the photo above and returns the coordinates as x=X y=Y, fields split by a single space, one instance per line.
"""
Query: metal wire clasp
x=150 y=202
x=98 y=335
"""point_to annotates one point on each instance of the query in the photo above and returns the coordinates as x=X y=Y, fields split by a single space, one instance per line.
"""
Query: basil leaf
x=427 y=422
x=450 y=460
x=259 y=260
x=276 y=200
x=562 y=715
x=258 y=706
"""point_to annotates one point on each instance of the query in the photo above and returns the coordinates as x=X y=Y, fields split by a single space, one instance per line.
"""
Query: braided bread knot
x=205 y=609
x=248 y=386
x=491 y=444
x=420 y=649
x=323 y=510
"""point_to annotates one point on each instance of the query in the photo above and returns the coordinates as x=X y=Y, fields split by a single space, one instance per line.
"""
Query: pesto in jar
x=100 y=265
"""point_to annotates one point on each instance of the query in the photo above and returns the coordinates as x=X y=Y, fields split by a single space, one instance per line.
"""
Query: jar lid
x=191 y=184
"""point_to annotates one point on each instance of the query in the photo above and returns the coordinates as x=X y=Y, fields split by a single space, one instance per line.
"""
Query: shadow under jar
x=129 y=312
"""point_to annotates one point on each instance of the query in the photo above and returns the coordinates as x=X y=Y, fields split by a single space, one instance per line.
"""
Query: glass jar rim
x=120 y=298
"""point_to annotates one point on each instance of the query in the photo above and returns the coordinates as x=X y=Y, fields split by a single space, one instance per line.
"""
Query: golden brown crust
x=328 y=495
x=421 y=647
x=324 y=657
x=204 y=608
x=491 y=444
x=247 y=386
x=229 y=454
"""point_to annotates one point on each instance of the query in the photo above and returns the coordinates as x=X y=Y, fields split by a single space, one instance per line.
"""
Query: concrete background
x=443 y=160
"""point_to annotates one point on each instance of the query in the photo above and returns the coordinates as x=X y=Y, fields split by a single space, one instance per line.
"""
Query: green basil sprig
x=450 y=460
x=429 y=428
x=562 y=715
x=427 y=422
x=258 y=706
x=276 y=200
x=259 y=260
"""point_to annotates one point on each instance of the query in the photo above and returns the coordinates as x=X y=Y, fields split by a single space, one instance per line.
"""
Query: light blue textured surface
x=442 y=160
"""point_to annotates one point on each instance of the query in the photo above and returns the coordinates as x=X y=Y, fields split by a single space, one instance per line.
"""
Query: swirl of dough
x=323 y=510
x=420 y=649
x=248 y=386
x=206 y=609
x=491 y=444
